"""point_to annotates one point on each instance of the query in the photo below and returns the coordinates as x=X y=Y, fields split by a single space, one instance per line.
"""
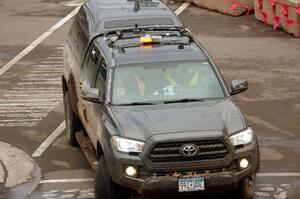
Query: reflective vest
x=193 y=81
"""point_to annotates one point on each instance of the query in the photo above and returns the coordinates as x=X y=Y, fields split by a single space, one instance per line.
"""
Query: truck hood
x=142 y=122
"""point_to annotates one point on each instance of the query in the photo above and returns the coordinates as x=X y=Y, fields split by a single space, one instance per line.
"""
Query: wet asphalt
x=31 y=100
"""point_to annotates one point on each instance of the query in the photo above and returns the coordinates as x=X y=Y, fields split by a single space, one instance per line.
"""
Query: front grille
x=209 y=150
x=143 y=173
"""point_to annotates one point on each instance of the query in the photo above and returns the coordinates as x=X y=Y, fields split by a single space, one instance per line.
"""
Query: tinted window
x=90 y=68
x=165 y=81
x=78 y=40
x=101 y=76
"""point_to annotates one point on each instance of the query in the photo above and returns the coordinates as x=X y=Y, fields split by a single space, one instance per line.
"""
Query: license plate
x=191 y=184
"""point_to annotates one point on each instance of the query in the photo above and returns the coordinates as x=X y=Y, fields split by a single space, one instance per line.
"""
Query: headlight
x=242 y=138
x=126 y=145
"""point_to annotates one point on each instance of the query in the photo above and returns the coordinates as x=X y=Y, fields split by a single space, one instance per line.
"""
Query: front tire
x=246 y=188
x=73 y=124
x=105 y=188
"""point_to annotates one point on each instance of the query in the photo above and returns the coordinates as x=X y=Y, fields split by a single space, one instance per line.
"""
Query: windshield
x=165 y=81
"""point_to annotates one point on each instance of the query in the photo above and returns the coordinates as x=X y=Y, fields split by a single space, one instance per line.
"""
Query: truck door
x=87 y=80
x=95 y=110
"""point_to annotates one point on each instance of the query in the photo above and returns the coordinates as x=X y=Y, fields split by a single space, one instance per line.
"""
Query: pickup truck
x=154 y=105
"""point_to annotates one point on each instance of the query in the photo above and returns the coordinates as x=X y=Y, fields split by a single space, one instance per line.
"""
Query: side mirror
x=238 y=86
x=91 y=95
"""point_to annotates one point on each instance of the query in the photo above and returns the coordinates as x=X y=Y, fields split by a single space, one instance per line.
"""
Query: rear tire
x=105 y=188
x=73 y=124
x=246 y=188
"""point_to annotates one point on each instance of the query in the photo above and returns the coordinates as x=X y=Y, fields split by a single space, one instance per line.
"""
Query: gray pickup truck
x=154 y=105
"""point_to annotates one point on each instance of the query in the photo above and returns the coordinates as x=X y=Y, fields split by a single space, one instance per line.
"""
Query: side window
x=78 y=40
x=90 y=68
x=101 y=76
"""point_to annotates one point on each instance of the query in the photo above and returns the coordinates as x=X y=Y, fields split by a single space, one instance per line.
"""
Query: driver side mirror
x=238 y=86
x=92 y=95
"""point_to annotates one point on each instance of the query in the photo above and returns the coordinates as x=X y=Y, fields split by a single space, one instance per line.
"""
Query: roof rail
x=181 y=36
x=113 y=36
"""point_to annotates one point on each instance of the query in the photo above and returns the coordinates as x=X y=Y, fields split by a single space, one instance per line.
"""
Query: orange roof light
x=147 y=39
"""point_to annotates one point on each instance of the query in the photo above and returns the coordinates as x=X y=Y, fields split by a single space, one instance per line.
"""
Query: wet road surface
x=31 y=99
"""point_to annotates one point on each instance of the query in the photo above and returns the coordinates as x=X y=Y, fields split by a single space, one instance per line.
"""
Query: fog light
x=131 y=171
x=244 y=163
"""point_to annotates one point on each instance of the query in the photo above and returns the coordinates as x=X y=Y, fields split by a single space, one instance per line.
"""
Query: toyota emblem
x=189 y=150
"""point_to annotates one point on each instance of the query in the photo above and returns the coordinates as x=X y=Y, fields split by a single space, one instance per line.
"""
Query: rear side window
x=78 y=41
x=101 y=76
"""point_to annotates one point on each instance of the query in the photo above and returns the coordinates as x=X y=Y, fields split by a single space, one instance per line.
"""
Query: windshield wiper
x=185 y=100
x=136 y=104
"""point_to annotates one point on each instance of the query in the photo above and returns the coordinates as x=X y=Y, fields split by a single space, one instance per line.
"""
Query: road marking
x=69 y=193
x=30 y=104
x=39 y=83
x=74 y=180
x=55 y=58
x=34 y=88
x=29 y=108
x=182 y=8
x=46 y=66
x=278 y=175
x=36 y=42
x=53 y=62
x=33 y=95
x=36 y=92
x=272 y=191
x=42 y=148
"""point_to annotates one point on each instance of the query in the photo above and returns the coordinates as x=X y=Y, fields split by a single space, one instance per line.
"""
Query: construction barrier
x=226 y=7
x=283 y=14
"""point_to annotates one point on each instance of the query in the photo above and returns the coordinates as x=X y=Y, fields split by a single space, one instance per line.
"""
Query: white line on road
x=74 y=180
x=182 y=8
x=35 y=88
x=37 y=92
x=42 y=148
x=48 y=65
x=36 y=42
x=33 y=95
x=29 y=104
x=52 y=62
x=55 y=58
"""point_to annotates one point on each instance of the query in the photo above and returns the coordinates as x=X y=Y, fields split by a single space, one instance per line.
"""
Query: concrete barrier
x=224 y=5
x=282 y=14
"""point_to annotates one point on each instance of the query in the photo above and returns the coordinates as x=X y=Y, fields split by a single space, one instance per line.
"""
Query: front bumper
x=150 y=181
x=214 y=182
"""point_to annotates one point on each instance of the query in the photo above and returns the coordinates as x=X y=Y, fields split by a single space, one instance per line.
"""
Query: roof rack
x=131 y=33
x=157 y=40
x=162 y=36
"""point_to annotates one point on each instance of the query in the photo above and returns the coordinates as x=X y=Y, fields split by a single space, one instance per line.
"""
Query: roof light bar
x=147 y=39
